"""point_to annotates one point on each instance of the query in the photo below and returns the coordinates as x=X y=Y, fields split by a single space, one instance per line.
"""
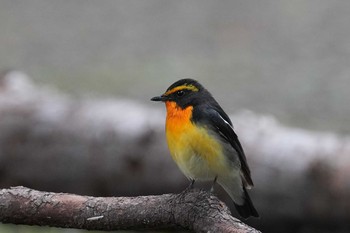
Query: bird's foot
x=214 y=182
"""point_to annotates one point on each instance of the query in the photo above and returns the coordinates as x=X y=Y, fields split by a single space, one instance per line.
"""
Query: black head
x=185 y=92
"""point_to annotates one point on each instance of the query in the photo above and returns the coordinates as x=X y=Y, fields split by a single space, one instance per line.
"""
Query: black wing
x=221 y=123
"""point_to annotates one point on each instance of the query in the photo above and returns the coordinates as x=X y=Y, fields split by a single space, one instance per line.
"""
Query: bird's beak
x=160 y=98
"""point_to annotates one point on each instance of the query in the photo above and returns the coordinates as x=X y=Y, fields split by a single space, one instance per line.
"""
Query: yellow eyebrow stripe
x=182 y=87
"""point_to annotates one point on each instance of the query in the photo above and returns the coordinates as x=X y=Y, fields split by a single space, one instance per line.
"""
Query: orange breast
x=177 y=124
x=196 y=152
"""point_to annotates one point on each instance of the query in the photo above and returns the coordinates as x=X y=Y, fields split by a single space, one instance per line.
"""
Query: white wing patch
x=226 y=121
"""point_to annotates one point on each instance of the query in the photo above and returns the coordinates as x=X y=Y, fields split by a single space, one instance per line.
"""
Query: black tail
x=247 y=209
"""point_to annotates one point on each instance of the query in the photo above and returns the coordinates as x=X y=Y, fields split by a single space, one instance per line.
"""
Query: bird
x=203 y=144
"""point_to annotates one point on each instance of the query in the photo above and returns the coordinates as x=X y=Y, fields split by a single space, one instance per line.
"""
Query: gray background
x=290 y=59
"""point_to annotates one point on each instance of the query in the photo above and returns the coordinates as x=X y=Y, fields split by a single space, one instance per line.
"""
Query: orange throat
x=177 y=118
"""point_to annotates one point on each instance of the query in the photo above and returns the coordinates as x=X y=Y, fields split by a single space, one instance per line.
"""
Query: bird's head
x=184 y=93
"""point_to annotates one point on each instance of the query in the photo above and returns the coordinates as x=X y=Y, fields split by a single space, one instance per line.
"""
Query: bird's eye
x=180 y=93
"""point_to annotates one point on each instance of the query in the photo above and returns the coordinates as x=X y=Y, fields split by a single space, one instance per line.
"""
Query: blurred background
x=90 y=62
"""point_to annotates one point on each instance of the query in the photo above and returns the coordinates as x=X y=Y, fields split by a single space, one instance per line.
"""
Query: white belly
x=195 y=167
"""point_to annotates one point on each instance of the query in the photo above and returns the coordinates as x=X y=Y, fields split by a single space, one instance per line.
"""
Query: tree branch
x=192 y=209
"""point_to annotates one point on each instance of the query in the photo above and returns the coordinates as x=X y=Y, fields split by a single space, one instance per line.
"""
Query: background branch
x=192 y=209
x=52 y=141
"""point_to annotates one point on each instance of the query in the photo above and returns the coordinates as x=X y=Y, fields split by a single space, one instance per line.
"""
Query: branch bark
x=194 y=210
